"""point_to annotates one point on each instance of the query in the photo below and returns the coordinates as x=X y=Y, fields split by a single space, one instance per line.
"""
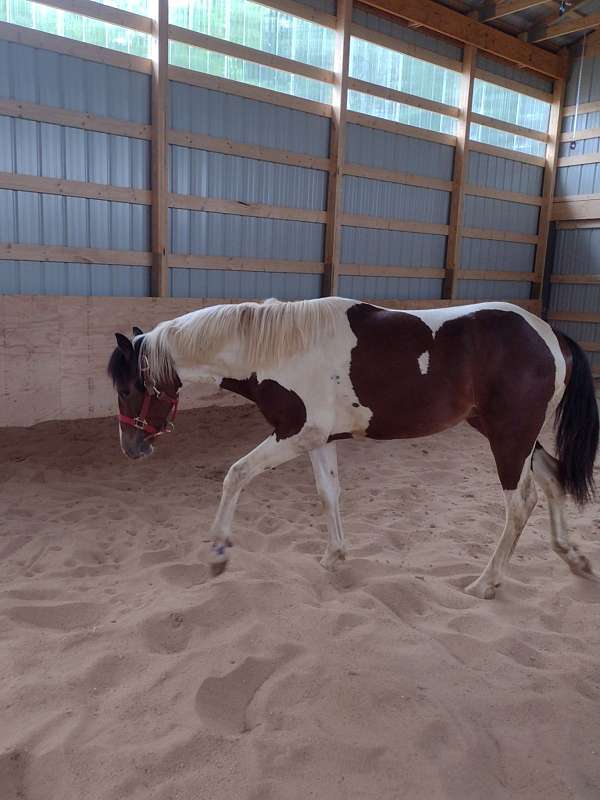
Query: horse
x=332 y=368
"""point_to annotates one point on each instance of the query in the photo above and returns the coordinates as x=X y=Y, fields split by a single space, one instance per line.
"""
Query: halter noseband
x=141 y=421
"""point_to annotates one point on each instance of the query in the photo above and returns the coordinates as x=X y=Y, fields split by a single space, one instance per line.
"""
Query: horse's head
x=146 y=408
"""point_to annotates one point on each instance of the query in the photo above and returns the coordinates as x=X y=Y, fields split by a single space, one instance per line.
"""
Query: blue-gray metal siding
x=513 y=73
x=243 y=285
x=505 y=174
x=50 y=277
x=493 y=290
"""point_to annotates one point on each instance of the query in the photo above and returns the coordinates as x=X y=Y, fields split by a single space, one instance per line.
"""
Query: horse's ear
x=124 y=344
x=137 y=331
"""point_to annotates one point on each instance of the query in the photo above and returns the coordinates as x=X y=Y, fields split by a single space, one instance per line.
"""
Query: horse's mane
x=264 y=332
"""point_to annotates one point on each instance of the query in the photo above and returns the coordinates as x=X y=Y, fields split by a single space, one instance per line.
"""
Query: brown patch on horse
x=490 y=368
x=281 y=407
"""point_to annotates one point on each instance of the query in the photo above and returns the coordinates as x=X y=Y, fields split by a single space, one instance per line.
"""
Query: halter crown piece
x=141 y=421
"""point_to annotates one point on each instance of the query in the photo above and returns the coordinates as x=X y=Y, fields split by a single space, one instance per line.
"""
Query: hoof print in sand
x=185 y=575
x=222 y=702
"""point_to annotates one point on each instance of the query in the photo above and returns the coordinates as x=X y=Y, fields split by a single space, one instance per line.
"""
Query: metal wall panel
x=395 y=200
x=385 y=150
x=211 y=234
x=575 y=297
x=493 y=290
x=39 y=76
x=246 y=285
x=577 y=251
x=383 y=288
x=392 y=248
x=500 y=215
x=505 y=70
x=53 y=151
x=329 y=6
x=240 y=119
x=405 y=34
x=204 y=174
x=30 y=218
x=34 y=277
x=492 y=255
x=504 y=174
x=590 y=81
x=580 y=331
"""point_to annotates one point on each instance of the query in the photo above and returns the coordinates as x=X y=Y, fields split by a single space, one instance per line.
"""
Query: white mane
x=265 y=333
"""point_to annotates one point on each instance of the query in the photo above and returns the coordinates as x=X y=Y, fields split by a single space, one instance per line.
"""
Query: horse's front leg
x=270 y=453
x=325 y=468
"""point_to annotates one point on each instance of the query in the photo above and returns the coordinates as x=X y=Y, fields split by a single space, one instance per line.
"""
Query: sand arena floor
x=126 y=673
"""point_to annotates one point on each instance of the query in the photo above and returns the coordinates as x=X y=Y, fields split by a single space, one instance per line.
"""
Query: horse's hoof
x=330 y=559
x=484 y=591
x=580 y=565
x=218 y=568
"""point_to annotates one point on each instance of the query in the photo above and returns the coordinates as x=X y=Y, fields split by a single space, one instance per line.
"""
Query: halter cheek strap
x=141 y=422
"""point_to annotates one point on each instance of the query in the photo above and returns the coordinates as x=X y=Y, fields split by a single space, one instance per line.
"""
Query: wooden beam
x=499 y=236
x=160 y=151
x=499 y=194
x=575 y=279
x=97 y=10
x=59 y=186
x=577 y=224
x=509 y=127
x=577 y=161
x=544 y=31
x=74 y=119
x=245 y=264
x=584 y=108
x=234 y=50
x=380 y=124
x=443 y=20
x=586 y=133
x=337 y=148
x=389 y=176
x=514 y=86
x=530 y=305
x=497 y=275
x=503 y=152
x=402 y=97
x=399 y=46
x=548 y=184
x=391 y=224
x=538 y=26
x=71 y=47
x=200 y=141
x=497 y=10
x=459 y=175
x=73 y=255
x=227 y=86
x=240 y=208
x=577 y=207
x=574 y=316
x=371 y=270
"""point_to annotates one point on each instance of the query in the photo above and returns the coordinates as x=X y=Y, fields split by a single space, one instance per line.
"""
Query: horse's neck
x=227 y=363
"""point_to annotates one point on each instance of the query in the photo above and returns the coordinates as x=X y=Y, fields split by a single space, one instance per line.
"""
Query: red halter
x=141 y=422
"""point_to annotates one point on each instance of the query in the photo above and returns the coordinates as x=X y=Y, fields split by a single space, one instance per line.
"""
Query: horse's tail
x=576 y=425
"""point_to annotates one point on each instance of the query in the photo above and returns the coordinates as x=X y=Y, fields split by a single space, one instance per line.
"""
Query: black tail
x=576 y=426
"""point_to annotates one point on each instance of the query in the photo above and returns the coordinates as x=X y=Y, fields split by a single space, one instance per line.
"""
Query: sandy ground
x=126 y=673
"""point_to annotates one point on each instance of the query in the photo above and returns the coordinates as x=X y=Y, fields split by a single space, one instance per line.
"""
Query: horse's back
x=420 y=372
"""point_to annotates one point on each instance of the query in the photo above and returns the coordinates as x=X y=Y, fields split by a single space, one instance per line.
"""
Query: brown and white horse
x=321 y=370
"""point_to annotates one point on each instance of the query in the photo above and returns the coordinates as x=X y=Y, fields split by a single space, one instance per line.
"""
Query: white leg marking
x=270 y=453
x=545 y=472
x=424 y=362
x=520 y=502
x=325 y=468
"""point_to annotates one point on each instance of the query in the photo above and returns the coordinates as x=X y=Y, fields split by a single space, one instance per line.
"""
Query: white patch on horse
x=423 y=360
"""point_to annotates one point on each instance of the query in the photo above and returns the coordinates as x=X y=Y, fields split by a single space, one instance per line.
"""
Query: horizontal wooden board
x=585 y=133
x=576 y=207
x=243 y=264
x=105 y=13
x=74 y=119
x=574 y=316
x=409 y=49
x=367 y=121
x=377 y=174
x=216 y=45
x=502 y=152
x=584 y=108
x=402 y=97
x=387 y=224
x=575 y=279
x=200 y=141
x=497 y=275
x=244 y=209
x=514 y=86
x=499 y=194
x=391 y=272
x=94 y=191
x=508 y=127
x=77 y=255
x=499 y=236
x=576 y=161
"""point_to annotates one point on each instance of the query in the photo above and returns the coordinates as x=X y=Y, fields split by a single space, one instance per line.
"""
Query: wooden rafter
x=450 y=23
x=553 y=28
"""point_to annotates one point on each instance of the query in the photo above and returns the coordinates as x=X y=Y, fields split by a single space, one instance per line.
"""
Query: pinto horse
x=327 y=369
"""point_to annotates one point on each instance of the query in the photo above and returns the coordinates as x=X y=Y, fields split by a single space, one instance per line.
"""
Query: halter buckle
x=139 y=423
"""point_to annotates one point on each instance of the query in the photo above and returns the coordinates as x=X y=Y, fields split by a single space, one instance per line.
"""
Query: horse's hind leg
x=325 y=468
x=545 y=472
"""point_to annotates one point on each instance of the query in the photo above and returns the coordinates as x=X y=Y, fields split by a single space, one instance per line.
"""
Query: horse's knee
x=235 y=478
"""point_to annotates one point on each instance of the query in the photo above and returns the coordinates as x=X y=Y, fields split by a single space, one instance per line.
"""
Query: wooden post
x=160 y=150
x=333 y=232
x=459 y=176
x=548 y=186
